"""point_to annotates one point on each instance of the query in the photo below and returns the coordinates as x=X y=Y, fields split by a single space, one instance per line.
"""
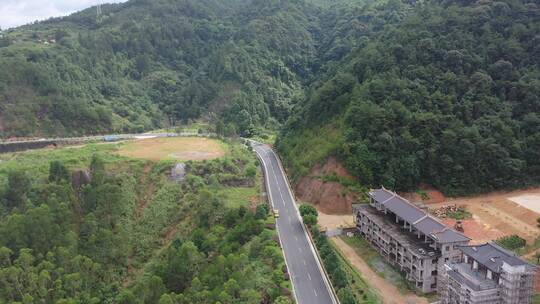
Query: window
x=447 y=248
x=434 y=272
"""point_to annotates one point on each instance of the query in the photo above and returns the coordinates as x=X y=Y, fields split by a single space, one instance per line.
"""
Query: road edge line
x=326 y=278
x=277 y=228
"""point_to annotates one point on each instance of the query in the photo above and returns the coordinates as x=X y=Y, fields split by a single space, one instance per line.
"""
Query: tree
x=310 y=220
x=97 y=170
x=182 y=264
x=58 y=172
x=306 y=209
x=309 y=214
x=261 y=212
x=18 y=187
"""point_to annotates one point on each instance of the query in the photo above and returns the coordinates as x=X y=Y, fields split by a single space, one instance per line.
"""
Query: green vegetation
x=402 y=92
x=309 y=215
x=349 y=286
x=446 y=93
x=512 y=242
x=377 y=263
x=83 y=225
x=361 y=291
x=460 y=214
x=145 y=64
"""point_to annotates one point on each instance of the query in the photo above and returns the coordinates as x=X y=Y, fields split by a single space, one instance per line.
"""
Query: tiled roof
x=418 y=218
x=404 y=209
x=449 y=235
x=428 y=225
x=381 y=195
x=492 y=256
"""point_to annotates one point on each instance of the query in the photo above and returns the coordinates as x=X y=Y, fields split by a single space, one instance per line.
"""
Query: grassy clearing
x=178 y=148
x=239 y=196
x=374 y=260
x=36 y=162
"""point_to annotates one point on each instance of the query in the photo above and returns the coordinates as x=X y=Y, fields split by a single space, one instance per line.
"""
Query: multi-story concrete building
x=487 y=274
x=408 y=237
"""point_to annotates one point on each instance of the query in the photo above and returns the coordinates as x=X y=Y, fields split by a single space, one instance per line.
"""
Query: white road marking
x=272 y=158
x=309 y=276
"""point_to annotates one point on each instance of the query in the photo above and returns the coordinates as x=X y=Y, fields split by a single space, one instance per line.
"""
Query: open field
x=180 y=148
x=500 y=213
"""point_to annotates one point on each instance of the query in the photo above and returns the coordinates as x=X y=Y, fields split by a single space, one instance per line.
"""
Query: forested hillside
x=448 y=96
x=242 y=64
x=94 y=227
x=403 y=92
x=144 y=64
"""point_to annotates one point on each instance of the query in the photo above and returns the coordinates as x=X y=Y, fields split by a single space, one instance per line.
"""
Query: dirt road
x=388 y=292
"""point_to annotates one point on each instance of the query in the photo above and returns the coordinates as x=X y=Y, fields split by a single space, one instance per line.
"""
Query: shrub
x=310 y=220
x=306 y=209
x=512 y=242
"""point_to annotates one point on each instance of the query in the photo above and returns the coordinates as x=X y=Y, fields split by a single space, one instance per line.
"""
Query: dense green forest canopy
x=91 y=227
x=448 y=96
x=403 y=92
x=242 y=64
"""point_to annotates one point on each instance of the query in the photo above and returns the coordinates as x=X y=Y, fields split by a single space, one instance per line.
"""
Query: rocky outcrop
x=178 y=172
x=80 y=178
x=330 y=197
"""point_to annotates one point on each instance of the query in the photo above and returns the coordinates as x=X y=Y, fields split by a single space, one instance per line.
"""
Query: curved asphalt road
x=309 y=284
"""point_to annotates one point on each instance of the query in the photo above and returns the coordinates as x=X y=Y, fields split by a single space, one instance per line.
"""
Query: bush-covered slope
x=94 y=227
x=449 y=96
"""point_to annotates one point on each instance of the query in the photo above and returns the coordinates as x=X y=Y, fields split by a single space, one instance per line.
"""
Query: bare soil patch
x=478 y=231
x=497 y=212
x=333 y=221
x=426 y=194
x=180 y=148
x=329 y=197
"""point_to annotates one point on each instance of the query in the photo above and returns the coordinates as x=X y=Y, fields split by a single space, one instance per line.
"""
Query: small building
x=408 y=237
x=487 y=274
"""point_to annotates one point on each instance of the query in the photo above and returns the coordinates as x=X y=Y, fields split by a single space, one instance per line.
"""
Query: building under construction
x=408 y=237
x=487 y=274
